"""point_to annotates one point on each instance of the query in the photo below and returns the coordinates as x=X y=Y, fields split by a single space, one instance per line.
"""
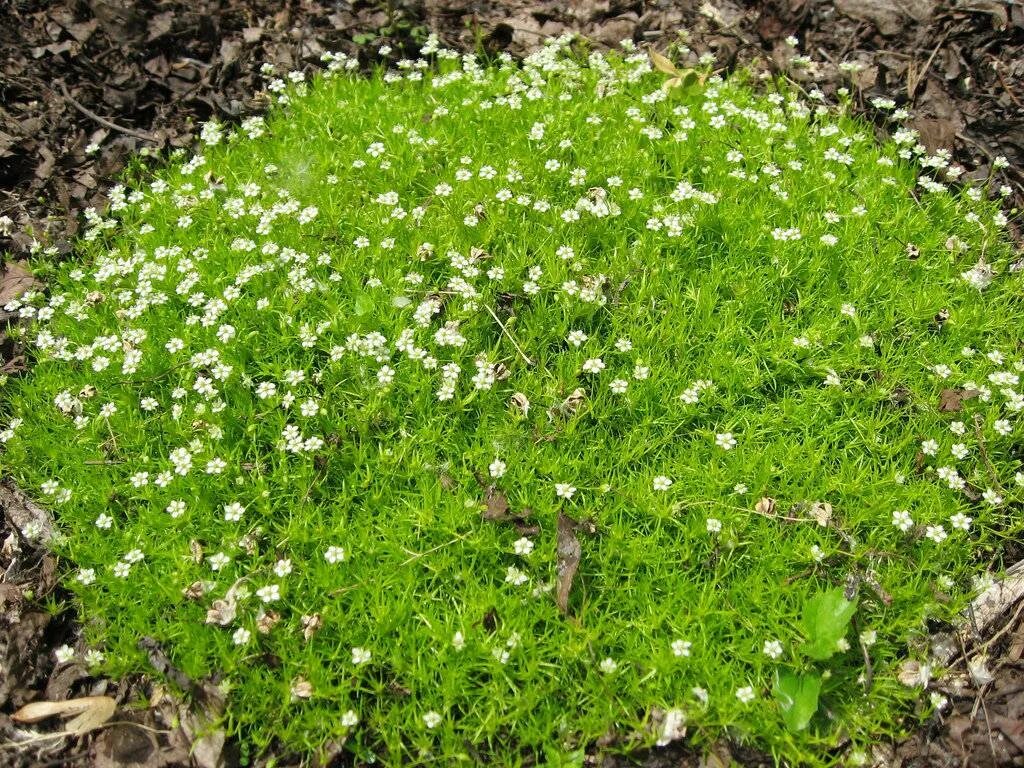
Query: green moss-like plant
x=472 y=413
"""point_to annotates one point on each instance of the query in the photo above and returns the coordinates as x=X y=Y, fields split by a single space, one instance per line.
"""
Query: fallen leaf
x=914 y=674
x=979 y=671
x=25 y=514
x=951 y=400
x=662 y=63
x=14 y=281
x=821 y=512
x=267 y=621
x=519 y=401
x=569 y=406
x=89 y=713
x=301 y=688
x=766 y=506
x=497 y=506
x=310 y=625
x=569 y=552
x=222 y=612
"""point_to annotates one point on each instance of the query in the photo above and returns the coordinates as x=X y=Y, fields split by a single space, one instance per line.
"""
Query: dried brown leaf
x=87 y=713
x=520 y=403
x=15 y=280
x=662 y=63
x=569 y=552
x=497 y=510
x=310 y=625
x=222 y=612
x=821 y=512
x=951 y=400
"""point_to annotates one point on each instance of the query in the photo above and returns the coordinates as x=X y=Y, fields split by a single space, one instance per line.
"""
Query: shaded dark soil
x=126 y=75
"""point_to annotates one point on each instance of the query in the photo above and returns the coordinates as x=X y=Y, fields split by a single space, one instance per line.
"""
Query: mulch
x=86 y=84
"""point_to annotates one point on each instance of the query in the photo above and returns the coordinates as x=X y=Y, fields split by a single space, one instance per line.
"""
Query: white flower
x=772 y=649
x=282 y=568
x=431 y=719
x=515 y=576
x=929 y=447
x=522 y=546
x=241 y=636
x=64 y=654
x=233 y=512
x=360 y=655
x=593 y=365
x=349 y=719
x=992 y=497
x=564 y=490
x=608 y=665
x=681 y=648
x=269 y=594
x=901 y=519
x=714 y=525
x=618 y=386
x=725 y=441
x=745 y=694
x=334 y=555
x=218 y=561
x=662 y=483
x=936 y=533
x=497 y=468
x=960 y=522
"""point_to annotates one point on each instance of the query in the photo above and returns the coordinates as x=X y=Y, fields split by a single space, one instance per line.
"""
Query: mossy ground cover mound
x=466 y=412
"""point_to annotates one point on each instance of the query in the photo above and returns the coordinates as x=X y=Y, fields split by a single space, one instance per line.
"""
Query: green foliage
x=826 y=620
x=472 y=414
x=798 y=698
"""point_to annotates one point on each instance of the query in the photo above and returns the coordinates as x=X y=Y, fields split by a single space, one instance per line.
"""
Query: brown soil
x=129 y=74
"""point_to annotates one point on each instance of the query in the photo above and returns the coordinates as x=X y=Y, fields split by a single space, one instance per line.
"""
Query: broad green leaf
x=798 y=698
x=364 y=304
x=826 y=618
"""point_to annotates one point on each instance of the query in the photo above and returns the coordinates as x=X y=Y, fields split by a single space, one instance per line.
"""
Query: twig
x=993 y=475
x=102 y=120
x=915 y=77
x=869 y=672
x=506 y=332
x=417 y=555
x=1006 y=628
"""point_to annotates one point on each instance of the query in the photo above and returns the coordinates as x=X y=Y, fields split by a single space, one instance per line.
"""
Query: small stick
x=984 y=452
x=510 y=337
x=102 y=120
